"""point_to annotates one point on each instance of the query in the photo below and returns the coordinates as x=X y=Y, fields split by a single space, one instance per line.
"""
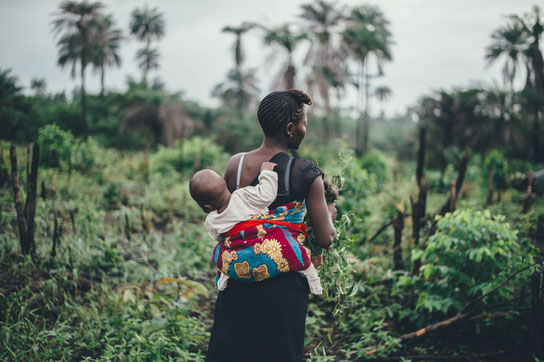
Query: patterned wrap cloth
x=266 y=245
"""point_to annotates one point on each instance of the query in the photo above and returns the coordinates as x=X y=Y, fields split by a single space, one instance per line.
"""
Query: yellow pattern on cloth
x=242 y=270
x=272 y=248
x=228 y=257
x=261 y=272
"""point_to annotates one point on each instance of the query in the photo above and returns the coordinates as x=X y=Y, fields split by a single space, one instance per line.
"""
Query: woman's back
x=266 y=319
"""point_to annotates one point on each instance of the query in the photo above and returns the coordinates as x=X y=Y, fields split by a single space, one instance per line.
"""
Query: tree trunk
x=528 y=193
x=32 y=190
x=398 y=225
x=102 y=76
x=421 y=154
x=26 y=213
x=490 y=186
x=366 y=124
x=536 y=137
x=418 y=214
x=83 y=99
x=458 y=184
x=290 y=76
x=21 y=221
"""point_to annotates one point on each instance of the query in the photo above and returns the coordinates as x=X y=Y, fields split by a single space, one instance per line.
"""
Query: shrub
x=374 y=162
x=496 y=160
x=470 y=254
x=56 y=146
x=187 y=156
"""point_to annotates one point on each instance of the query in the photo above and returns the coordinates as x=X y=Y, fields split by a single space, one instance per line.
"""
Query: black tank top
x=295 y=176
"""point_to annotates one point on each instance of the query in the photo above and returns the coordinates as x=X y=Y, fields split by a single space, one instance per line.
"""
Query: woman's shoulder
x=305 y=166
x=304 y=173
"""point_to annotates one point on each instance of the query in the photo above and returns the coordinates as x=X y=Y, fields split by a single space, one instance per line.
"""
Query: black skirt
x=262 y=321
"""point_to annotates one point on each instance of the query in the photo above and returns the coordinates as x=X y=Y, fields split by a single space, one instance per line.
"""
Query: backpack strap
x=239 y=171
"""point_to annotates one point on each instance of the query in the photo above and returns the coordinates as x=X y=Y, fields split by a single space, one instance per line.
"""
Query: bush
x=496 y=160
x=374 y=162
x=470 y=254
x=187 y=156
x=56 y=146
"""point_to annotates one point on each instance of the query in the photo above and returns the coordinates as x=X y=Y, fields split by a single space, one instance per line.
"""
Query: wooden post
x=398 y=225
x=490 y=186
x=32 y=189
x=453 y=196
x=421 y=154
x=44 y=191
x=127 y=227
x=21 y=221
x=528 y=193
x=55 y=237
x=458 y=184
x=418 y=214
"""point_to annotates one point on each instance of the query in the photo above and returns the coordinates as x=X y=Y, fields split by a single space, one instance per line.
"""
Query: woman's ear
x=289 y=129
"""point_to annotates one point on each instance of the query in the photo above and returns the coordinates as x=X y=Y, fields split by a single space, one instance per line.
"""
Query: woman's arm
x=320 y=217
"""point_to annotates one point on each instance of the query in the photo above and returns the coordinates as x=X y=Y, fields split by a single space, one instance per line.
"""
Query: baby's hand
x=268 y=166
x=317 y=260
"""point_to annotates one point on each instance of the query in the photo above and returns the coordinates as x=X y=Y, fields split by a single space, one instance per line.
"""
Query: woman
x=265 y=321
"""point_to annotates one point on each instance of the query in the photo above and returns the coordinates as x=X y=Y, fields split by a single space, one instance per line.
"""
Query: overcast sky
x=438 y=43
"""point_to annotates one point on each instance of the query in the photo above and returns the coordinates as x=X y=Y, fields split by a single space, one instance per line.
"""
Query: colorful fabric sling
x=269 y=244
x=261 y=248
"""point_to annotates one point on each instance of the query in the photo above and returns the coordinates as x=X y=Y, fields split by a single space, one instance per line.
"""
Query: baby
x=225 y=210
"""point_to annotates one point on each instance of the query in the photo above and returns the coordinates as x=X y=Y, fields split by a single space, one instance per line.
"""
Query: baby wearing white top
x=225 y=210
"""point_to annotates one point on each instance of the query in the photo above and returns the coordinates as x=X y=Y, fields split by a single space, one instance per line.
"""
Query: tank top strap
x=287 y=179
x=239 y=173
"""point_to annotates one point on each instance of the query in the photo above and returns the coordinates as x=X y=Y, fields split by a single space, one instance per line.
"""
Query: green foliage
x=60 y=149
x=374 y=162
x=56 y=146
x=187 y=156
x=498 y=163
x=470 y=254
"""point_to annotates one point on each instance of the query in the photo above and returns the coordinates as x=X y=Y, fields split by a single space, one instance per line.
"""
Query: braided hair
x=279 y=108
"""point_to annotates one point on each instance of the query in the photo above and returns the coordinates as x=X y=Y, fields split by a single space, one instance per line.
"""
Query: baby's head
x=209 y=190
x=331 y=195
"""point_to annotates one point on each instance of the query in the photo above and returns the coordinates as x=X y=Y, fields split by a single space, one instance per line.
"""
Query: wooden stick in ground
x=453 y=196
x=55 y=237
x=458 y=183
x=21 y=221
x=381 y=229
x=32 y=189
x=490 y=186
x=528 y=193
x=419 y=208
x=398 y=225
x=421 y=154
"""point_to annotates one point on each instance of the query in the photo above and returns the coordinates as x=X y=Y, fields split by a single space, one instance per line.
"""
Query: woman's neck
x=273 y=145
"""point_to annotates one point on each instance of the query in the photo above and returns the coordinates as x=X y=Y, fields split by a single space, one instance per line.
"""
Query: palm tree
x=520 y=39
x=38 y=85
x=147 y=24
x=239 y=91
x=382 y=93
x=367 y=35
x=77 y=21
x=322 y=20
x=106 y=48
x=286 y=40
x=148 y=59
x=508 y=42
x=238 y=31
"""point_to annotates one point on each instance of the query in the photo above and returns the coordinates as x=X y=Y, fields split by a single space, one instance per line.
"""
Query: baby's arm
x=211 y=230
x=265 y=192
